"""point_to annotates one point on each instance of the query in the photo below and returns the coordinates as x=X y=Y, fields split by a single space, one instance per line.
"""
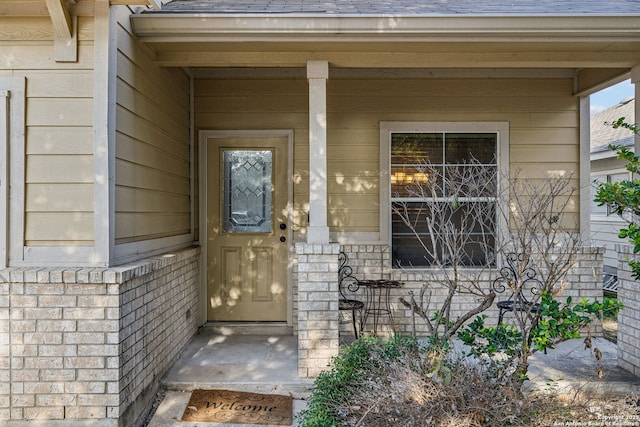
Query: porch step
x=252 y=328
x=298 y=390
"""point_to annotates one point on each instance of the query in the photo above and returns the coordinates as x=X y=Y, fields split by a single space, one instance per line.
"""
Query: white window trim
x=12 y=168
x=387 y=128
x=610 y=217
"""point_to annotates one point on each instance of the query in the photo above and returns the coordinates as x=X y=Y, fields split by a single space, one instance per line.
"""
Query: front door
x=247 y=229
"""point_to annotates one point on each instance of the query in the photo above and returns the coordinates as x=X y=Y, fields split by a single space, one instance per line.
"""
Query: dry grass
x=584 y=410
x=404 y=392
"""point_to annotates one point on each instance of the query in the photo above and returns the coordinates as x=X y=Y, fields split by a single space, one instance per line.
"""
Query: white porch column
x=585 y=170
x=635 y=79
x=317 y=74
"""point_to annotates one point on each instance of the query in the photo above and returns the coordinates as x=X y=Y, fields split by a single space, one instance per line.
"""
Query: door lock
x=283 y=239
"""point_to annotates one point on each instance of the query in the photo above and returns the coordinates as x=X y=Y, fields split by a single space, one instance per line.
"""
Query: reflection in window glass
x=413 y=156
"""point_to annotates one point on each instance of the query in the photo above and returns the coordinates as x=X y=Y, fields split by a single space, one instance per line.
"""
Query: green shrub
x=554 y=323
x=609 y=310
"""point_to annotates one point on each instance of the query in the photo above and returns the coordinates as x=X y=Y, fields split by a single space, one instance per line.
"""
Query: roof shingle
x=603 y=134
x=408 y=7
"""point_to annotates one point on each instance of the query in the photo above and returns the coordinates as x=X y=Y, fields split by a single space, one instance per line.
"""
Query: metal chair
x=348 y=284
x=520 y=278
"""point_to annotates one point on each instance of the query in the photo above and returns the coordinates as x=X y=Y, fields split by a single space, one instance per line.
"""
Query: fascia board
x=161 y=27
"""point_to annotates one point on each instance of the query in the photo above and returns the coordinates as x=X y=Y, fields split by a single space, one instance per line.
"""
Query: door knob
x=283 y=226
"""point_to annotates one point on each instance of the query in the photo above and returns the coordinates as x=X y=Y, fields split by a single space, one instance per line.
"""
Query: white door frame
x=203 y=137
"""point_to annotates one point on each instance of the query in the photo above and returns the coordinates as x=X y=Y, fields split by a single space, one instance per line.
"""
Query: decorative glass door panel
x=247 y=248
x=247 y=184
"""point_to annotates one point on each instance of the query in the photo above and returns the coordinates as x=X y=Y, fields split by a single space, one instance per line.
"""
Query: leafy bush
x=608 y=312
x=623 y=198
x=555 y=322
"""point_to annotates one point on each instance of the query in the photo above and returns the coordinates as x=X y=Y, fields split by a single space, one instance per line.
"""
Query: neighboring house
x=158 y=167
x=607 y=167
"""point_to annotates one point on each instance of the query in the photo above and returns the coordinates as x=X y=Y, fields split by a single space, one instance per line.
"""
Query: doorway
x=247 y=225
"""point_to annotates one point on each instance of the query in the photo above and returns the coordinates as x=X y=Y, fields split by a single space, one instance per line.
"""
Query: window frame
x=607 y=175
x=387 y=128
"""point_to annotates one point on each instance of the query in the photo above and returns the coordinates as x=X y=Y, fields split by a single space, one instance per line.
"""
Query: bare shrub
x=475 y=226
x=456 y=227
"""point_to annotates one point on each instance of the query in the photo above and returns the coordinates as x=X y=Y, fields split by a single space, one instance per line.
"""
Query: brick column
x=586 y=281
x=629 y=316
x=318 y=315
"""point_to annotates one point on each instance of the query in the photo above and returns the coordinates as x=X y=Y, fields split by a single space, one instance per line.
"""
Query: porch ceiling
x=272 y=40
x=596 y=46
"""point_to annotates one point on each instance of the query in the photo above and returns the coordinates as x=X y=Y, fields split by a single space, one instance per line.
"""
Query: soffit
x=412 y=41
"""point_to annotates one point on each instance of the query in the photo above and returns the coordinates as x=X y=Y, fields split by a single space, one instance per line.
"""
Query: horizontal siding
x=59 y=169
x=135 y=176
x=59 y=133
x=38 y=56
x=605 y=233
x=542 y=114
x=152 y=196
x=46 y=228
x=57 y=197
x=133 y=227
x=32 y=29
x=59 y=112
x=68 y=83
x=52 y=140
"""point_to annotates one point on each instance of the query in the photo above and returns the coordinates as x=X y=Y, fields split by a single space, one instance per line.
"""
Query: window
x=601 y=179
x=443 y=191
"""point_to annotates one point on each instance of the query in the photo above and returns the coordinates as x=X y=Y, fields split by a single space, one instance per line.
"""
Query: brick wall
x=629 y=316
x=91 y=344
x=368 y=262
x=319 y=324
x=159 y=313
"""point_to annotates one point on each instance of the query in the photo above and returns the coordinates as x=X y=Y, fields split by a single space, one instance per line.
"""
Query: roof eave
x=159 y=27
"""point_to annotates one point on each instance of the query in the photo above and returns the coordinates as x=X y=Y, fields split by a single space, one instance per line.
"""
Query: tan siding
x=544 y=154
x=57 y=197
x=46 y=228
x=68 y=83
x=59 y=112
x=142 y=200
x=59 y=169
x=56 y=140
x=59 y=133
x=39 y=57
x=136 y=176
x=131 y=227
x=152 y=145
x=542 y=114
x=39 y=29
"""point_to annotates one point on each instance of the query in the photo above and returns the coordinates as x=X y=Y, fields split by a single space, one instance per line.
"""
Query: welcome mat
x=225 y=406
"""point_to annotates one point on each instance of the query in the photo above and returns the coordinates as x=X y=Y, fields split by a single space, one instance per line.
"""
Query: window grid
x=399 y=173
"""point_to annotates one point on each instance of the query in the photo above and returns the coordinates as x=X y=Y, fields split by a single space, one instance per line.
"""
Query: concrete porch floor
x=269 y=364
x=253 y=363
